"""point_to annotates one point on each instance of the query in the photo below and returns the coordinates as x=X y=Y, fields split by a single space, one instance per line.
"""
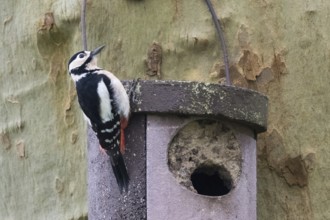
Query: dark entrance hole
x=211 y=180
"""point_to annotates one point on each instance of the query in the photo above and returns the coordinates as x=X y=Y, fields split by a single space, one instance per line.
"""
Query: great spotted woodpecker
x=105 y=105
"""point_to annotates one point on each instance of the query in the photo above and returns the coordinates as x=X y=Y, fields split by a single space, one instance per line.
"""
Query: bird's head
x=83 y=61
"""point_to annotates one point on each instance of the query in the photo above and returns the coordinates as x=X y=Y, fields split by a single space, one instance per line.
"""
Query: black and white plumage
x=105 y=105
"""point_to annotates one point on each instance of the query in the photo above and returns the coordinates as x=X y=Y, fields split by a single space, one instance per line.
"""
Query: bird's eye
x=81 y=55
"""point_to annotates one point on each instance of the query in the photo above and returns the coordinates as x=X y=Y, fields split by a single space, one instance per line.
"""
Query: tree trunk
x=277 y=47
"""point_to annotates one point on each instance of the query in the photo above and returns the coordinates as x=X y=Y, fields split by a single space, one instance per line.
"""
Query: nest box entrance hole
x=211 y=180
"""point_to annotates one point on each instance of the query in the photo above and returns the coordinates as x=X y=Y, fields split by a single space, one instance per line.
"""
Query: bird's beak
x=97 y=50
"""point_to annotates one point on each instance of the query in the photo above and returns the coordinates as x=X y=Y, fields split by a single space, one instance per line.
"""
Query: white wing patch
x=105 y=102
x=120 y=95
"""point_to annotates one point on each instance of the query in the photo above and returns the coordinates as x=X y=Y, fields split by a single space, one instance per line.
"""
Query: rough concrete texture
x=167 y=199
x=204 y=143
x=208 y=99
x=104 y=199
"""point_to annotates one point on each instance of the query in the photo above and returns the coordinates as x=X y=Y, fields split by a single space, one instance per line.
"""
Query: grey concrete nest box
x=191 y=154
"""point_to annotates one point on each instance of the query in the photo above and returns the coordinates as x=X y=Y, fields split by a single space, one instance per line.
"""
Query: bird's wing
x=120 y=97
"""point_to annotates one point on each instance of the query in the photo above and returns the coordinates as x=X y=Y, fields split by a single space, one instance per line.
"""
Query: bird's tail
x=120 y=171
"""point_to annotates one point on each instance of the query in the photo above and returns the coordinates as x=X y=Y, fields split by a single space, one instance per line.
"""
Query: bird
x=105 y=105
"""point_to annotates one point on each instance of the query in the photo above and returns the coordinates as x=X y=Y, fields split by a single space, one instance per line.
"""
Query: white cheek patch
x=76 y=63
x=92 y=64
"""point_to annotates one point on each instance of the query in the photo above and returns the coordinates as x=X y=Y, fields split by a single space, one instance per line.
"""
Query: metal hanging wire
x=221 y=40
x=83 y=24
